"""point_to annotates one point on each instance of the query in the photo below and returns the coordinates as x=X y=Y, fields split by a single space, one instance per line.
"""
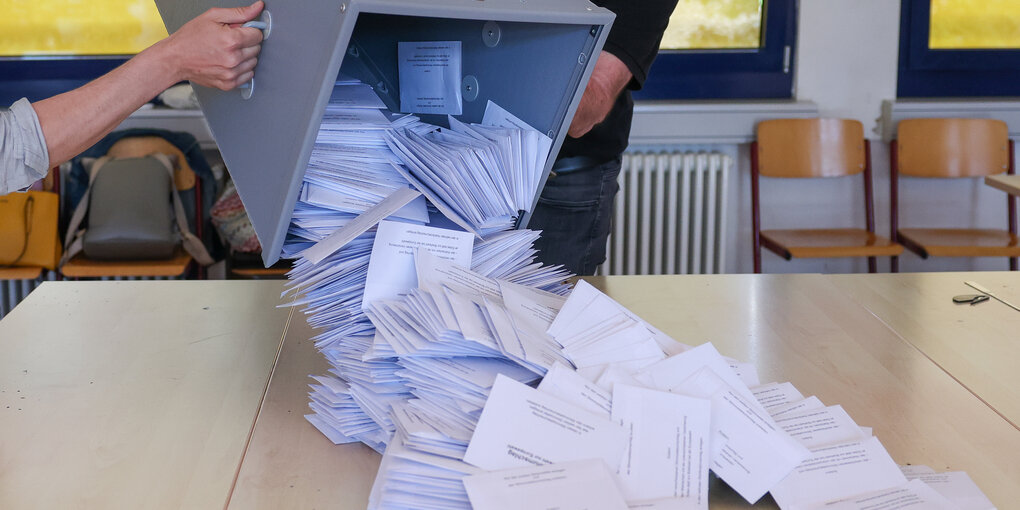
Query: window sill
x=895 y=110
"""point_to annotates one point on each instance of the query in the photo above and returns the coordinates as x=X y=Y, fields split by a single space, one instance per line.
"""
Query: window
x=725 y=49
x=53 y=46
x=959 y=48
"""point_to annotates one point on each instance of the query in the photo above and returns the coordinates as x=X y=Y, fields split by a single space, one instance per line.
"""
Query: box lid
x=531 y=57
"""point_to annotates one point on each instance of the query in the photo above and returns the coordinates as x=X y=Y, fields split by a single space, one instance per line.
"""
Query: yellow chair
x=953 y=148
x=803 y=148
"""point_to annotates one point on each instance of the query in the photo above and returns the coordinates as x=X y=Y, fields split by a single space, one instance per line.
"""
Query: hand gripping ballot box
x=531 y=57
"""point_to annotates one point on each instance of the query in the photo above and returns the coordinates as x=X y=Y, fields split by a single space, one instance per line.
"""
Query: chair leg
x=1012 y=263
x=872 y=265
x=894 y=264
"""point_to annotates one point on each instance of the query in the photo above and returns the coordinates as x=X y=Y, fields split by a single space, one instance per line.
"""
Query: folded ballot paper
x=487 y=383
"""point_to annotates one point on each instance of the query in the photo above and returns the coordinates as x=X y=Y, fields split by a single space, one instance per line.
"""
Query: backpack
x=130 y=217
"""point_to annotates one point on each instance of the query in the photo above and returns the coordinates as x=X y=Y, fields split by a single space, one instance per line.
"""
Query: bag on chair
x=28 y=229
x=129 y=214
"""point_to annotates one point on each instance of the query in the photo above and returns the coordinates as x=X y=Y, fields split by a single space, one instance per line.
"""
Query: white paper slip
x=521 y=426
x=391 y=268
x=839 y=471
x=914 y=495
x=355 y=96
x=430 y=76
x=807 y=404
x=577 y=485
x=667 y=453
x=912 y=470
x=820 y=427
x=359 y=225
x=565 y=384
x=749 y=451
x=662 y=504
x=336 y=117
x=957 y=487
x=745 y=371
x=672 y=371
x=776 y=394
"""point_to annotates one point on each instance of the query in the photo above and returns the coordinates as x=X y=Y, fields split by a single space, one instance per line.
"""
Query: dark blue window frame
x=39 y=78
x=924 y=72
x=763 y=73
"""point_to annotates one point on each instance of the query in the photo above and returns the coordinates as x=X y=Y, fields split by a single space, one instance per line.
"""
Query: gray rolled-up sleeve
x=24 y=157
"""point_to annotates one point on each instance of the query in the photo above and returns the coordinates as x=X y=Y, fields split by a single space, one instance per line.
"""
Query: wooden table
x=798 y=328
x=132 y=394
x=289 y=463
x=1008 y=183
x=977 y=345
x=807 y=329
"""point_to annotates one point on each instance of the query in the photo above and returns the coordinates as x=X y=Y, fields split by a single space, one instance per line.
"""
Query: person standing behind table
x=576 y=206
x=211 y=50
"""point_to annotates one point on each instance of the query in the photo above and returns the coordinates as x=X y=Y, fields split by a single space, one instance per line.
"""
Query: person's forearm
x=608 y=80
x=75 y=120
x=212 y=50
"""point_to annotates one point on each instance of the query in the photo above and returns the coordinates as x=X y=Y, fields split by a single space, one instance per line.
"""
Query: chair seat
x=20 y=273
x=80 y=267
x=828 y=243
x=960 y=242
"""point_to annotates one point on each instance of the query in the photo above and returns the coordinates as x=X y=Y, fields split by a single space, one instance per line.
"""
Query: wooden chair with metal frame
x=953 y=148
x=804 y=148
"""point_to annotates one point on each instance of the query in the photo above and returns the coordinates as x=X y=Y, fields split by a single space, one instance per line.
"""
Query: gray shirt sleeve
x=24 y=157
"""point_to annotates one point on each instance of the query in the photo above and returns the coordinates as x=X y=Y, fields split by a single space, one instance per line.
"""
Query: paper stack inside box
x=488 y=383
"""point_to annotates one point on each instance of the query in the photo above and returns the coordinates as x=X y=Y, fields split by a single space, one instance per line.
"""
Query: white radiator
x=670 y=214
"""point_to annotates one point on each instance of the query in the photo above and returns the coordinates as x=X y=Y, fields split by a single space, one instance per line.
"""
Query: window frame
x=40 y=77
x=925 y=72
x=763 y=73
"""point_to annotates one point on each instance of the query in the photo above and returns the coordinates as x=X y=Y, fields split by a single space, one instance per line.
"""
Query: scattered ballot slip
x=581 y=485
x=667 y=454
x=521 y=426
x=391 y=269
x=839 y=471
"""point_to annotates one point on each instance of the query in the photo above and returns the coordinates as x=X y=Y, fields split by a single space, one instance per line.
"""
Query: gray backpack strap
x=192 y=244
x=74 y=239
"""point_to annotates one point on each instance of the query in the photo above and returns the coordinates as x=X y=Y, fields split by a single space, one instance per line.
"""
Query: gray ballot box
x=532 y=57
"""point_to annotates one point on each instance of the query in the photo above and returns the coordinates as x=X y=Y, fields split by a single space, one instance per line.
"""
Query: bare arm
x=210 y=50
x=608 y=79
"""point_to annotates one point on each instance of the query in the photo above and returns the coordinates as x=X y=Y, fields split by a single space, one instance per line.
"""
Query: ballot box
x=531 y=57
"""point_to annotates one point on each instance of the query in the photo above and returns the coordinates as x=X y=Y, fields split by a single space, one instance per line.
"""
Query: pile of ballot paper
x=487 y=383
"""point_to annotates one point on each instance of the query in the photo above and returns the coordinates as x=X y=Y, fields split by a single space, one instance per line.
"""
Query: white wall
x=846 y=64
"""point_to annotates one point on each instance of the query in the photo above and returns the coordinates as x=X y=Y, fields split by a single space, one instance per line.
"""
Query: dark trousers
x=575 y=214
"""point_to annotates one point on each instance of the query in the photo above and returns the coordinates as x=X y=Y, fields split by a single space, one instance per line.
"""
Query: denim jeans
x=574 y=214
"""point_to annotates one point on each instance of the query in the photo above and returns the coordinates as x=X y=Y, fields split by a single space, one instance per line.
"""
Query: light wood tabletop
x=289 y=463
x=1008 y=183
x=798 y=328
x=978 y=345
x=132 y=394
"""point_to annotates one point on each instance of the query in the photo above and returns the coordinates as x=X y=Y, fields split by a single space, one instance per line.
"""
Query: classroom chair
x=805 y=148
x=953 y=148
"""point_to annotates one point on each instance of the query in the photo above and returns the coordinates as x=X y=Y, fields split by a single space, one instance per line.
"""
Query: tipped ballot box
x=432 y=59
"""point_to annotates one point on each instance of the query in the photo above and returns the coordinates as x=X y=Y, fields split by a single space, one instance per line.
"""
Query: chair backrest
x=952 y=147
x=810 y=148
